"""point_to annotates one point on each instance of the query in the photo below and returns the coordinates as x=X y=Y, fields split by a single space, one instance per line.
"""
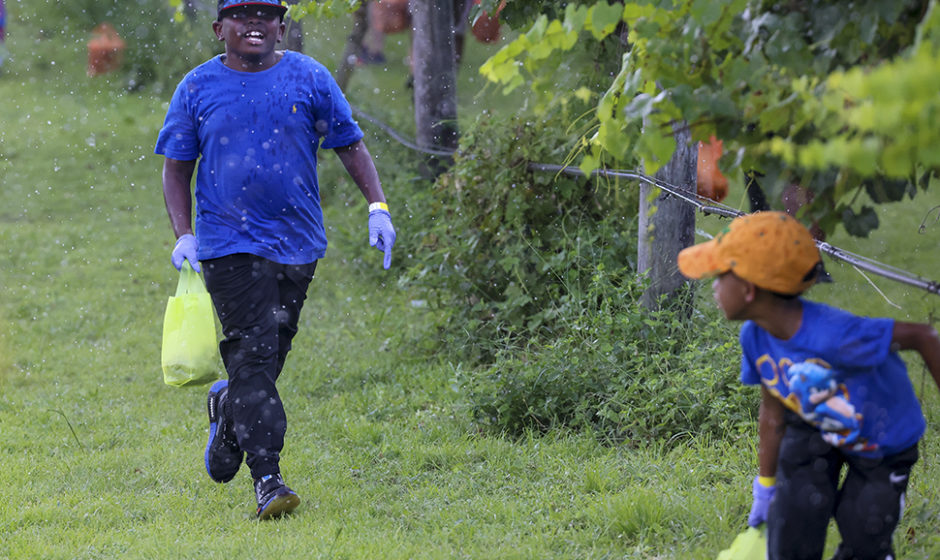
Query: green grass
x=102 y=460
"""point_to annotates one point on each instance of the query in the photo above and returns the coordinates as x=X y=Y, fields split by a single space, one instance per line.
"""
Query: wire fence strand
x=704 y=205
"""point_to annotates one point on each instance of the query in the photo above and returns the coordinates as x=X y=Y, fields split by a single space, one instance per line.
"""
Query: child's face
x=731 y=294
x=250 y=32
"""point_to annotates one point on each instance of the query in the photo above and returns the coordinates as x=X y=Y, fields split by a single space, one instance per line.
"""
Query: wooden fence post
x=666 y=223
x=435 y=76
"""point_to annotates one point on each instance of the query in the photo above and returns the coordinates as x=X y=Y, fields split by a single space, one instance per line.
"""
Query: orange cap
x=769 y=249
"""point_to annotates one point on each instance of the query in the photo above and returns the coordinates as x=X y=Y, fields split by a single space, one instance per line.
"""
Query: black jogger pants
x=867 y=506
x=258 y=302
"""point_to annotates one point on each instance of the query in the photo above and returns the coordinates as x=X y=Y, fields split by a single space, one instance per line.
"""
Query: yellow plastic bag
x=190 y=353
x=749 y=545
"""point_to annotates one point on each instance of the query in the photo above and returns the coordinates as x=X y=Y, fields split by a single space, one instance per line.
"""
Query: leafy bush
x=534 y=276
x=620 y=371
x=502 y=248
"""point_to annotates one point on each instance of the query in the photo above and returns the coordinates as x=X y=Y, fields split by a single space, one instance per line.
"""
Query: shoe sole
x=279 y=505
x=213 y=428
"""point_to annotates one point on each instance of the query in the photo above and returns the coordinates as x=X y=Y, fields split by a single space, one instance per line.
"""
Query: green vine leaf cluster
x=836 y=97
x=878 y=120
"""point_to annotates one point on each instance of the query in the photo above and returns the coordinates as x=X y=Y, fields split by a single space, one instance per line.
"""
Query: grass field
x=102 y=460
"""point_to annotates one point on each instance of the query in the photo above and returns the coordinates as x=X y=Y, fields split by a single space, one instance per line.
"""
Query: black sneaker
x=223 y=455
x=274 y=497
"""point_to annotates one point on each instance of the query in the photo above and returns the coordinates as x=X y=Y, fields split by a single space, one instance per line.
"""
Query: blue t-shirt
x=256 y=136
x=868 y=406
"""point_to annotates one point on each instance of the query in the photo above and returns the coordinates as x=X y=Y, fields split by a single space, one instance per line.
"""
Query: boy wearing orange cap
x=834 y=392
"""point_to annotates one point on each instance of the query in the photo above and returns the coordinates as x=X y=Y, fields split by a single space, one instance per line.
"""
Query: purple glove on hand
x=185 y=249
x=382 y=234
x=762 y=497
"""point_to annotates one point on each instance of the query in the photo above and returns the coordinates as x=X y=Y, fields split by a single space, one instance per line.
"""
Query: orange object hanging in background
x=486 y=27
x=711 y=183
x=105 y=50
x=390 y=16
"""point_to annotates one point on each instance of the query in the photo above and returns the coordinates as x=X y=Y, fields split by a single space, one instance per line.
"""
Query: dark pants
x=866 y=508
x=258 y=302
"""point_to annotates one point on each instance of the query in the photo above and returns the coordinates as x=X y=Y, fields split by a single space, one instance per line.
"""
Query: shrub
x=619 y=371
x=501 y=248
x=533 y=276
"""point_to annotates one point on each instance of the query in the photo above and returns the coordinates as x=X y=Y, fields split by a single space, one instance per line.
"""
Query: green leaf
x=588 y=164
x=641 y=106
x=558 y=38
x=537 y=31
x=503 y=67
x=633 y=11
x=613 y=138
x=575 y=17
x=540 y=50
x=584 y=94
x=603 y=18
x=515 y=82
x=897 y=160
x=888 y=190
x=777 y=117
x=862 y=155
x=656 y=146
x=508 y=263
x=860 y=224
x=705 y=12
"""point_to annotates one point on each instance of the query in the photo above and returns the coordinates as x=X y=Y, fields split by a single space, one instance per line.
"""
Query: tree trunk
x=667 y=224
x=189 y=10
x=295 y=33
x=461 y=25
x=435 y=77
x=353 y=45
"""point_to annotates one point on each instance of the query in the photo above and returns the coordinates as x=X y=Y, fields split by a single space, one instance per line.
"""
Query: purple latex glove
x=762 y=497
x=185 y=249
x=382 y=234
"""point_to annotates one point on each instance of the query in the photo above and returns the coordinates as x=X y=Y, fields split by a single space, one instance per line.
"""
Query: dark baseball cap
x=229 y=4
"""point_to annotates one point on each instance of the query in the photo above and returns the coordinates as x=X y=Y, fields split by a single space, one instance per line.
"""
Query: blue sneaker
x=223 y=455
x=274 y=497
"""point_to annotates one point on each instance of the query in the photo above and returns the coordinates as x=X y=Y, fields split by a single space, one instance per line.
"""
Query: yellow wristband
x=378 y=206
x=767 y=481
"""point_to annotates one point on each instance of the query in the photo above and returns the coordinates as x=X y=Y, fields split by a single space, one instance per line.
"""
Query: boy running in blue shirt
x=834 y=393
x=254 y=119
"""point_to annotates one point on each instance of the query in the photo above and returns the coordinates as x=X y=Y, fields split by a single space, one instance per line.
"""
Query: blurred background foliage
x=158 y=50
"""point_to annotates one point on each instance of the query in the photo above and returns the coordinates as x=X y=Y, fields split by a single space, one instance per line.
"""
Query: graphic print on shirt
x=811 y=389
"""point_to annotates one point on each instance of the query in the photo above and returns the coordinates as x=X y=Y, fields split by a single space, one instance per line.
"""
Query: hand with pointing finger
x=382 y=234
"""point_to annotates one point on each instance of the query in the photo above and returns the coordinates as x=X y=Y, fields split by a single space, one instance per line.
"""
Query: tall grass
x=101 y=460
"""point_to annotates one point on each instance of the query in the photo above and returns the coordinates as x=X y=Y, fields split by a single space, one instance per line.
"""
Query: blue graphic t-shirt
x=838 y=372
x=256 y=136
